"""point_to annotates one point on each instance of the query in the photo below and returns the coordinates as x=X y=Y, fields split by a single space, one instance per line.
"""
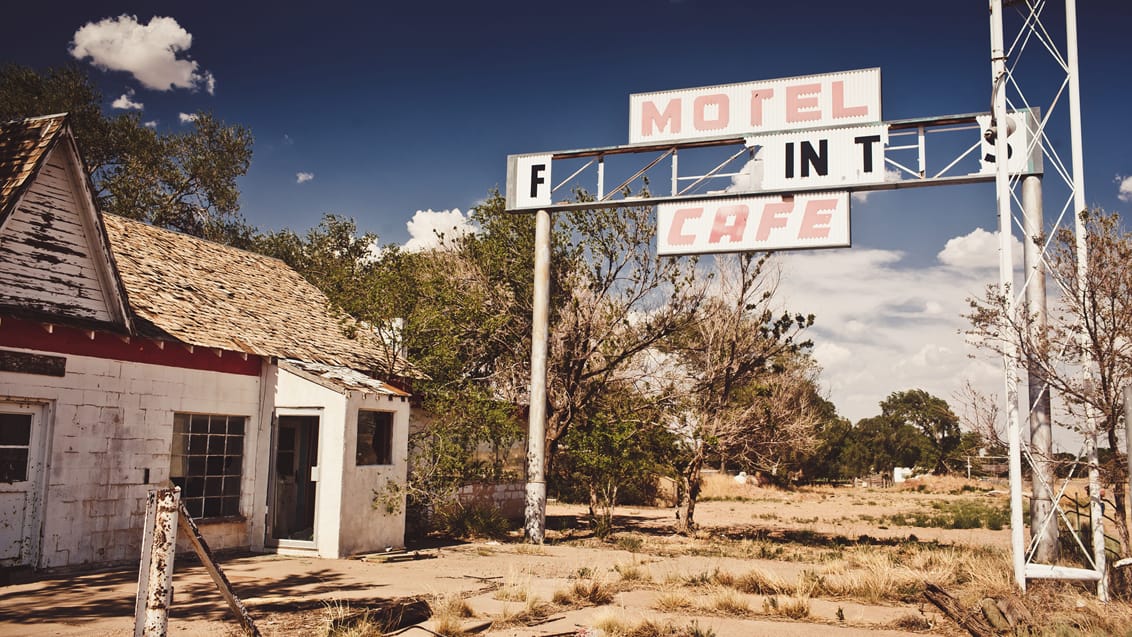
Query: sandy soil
x=296 y=595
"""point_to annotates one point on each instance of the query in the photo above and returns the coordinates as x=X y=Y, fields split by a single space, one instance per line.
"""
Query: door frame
x=269 y=527
x=42 y=427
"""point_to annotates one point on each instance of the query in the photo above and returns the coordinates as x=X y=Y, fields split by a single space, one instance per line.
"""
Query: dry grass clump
x=792 y=607
x=673 y=603
x=989 y=571
x=911 y=622
x=730 y=602
x=516 y=588
x=448 y=615
x=759 y=582
x=614 y=626
x=585 y=592
x=1064 y=609
x=873 y=574
x=340 y=621
x=595 y=592
x=530 y=549
x=632 y=573
x=534 y=611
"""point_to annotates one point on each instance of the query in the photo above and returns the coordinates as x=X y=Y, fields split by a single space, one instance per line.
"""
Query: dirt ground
x=297 y=595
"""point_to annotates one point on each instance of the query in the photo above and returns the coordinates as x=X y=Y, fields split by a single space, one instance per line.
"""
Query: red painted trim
x=67 y=340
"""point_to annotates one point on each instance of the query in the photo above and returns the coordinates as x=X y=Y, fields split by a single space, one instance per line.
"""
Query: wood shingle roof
x=211 y=295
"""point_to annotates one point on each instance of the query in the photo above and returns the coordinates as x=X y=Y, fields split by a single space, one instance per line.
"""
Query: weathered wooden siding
x=45 y=254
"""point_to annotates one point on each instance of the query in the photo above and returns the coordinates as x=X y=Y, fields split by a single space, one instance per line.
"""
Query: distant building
x=132 y=357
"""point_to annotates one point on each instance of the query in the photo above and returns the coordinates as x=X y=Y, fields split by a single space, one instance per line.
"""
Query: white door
x=21 y=465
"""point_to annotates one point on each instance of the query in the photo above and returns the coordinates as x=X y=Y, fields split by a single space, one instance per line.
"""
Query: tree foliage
x=937 y=425
x=614 y=300
x=184 y=180
x=623 y=448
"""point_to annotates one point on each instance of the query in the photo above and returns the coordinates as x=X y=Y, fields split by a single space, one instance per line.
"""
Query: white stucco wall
x=346 y=523
x=366 y=528
x=110 y=421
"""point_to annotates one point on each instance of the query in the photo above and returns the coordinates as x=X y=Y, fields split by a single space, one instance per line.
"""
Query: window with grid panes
x=208 y=453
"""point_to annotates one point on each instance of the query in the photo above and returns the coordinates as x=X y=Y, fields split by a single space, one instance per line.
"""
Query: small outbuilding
x=133 y=357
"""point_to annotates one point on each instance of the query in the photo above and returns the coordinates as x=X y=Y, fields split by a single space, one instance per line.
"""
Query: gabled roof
x=55 y=261
x=24 y=145
x=211 y=295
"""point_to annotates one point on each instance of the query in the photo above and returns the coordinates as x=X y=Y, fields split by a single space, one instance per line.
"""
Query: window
x=15 y=438
x=375 y=437
x=208 y=453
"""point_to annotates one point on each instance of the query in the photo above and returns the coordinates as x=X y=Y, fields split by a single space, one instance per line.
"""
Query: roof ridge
x=196 y=238
x=22 y=120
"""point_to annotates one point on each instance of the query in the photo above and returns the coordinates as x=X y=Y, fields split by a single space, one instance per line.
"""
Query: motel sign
x=813 y=101
x=817 y=138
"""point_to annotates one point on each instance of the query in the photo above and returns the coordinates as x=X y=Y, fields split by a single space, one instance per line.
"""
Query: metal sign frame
x=535 y=195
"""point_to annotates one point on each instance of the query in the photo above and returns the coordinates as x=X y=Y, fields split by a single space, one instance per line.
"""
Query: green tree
x=613 y=300
x=24 y=92
x=181 y=180
x=450 y=313
x=884 y=442
x=835 y=445
x=933 y=418
x=621 y=447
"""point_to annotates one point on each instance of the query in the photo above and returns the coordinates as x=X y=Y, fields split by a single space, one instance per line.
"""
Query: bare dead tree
x=1085 y=355
x=979 y=412
x=739 y=340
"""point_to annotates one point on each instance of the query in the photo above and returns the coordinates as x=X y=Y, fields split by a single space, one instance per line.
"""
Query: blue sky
x=396 y=108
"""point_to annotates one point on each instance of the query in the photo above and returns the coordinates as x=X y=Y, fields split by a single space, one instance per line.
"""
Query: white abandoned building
x=131 y=356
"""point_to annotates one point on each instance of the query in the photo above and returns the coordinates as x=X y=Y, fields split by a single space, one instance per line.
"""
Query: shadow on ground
x=80 y=597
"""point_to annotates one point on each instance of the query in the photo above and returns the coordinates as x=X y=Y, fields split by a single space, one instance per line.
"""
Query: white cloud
x=126 y=102
x=187 y=117
x=884 y=326
x=831 y=354
x=302 y=178
x=977 y=250
x=428 y=229
x=750 y=176
x=890 y=174
x=1125 y=188
x=149 y=52
x=150 y=124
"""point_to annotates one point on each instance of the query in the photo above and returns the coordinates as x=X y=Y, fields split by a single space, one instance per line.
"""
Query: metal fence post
x=155 y=575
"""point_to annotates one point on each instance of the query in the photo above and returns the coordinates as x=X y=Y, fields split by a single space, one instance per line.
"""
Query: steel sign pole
x=535 y=510
x=1006 y=278
x=1043 y=525
x=1081 y=233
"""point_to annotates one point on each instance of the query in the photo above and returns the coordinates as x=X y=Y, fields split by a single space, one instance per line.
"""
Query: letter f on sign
x=536 y=178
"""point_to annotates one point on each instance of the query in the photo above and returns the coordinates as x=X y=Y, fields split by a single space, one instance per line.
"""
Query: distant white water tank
x=900 y=474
